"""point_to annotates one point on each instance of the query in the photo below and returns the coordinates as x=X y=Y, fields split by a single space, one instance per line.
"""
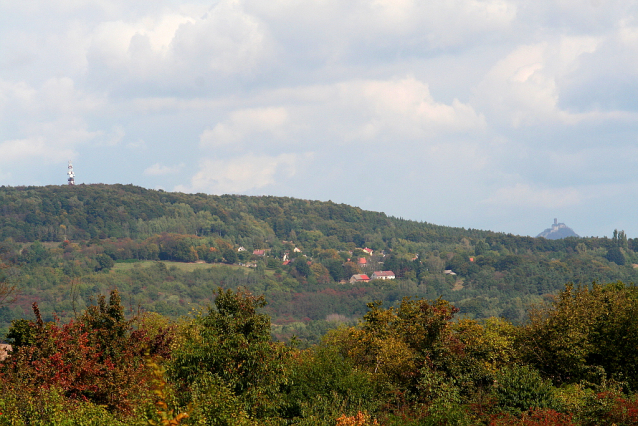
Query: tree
x=230 y=346
x=98 y=358
x=585 y=334
x=230 y=256
x=615 y=255
x=8 y=271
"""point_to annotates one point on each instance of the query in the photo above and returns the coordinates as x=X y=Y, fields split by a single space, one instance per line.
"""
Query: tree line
x=572 y=363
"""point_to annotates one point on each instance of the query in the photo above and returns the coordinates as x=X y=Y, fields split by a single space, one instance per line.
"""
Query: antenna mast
x=71 y=174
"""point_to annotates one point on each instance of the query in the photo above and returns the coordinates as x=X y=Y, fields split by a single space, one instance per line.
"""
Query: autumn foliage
x=405 y=365
x=96 y=358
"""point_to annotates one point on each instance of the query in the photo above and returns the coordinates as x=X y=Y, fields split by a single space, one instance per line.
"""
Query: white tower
x=71 y=174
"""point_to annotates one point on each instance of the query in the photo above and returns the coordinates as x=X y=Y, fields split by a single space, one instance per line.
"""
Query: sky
x=488 y=114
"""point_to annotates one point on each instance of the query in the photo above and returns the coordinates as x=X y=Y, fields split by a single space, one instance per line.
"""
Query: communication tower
x=71 y=174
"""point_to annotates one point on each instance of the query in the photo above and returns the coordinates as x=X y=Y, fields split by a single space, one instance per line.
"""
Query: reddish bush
x=98 y=358
x=545 y=417
x=612 y=408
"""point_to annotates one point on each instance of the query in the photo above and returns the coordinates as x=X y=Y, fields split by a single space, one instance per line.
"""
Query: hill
x=557 y=231
x=64 y=241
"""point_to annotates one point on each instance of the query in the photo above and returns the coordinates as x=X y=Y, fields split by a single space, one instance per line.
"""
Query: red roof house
x=359 y=278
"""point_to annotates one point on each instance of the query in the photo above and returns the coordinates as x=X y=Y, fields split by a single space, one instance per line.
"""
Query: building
x=358 y=278
x=259 y=252
x=383 y=275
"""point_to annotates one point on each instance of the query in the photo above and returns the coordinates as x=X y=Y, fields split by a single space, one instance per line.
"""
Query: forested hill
x=120 y=211
x=101 y=211
x=169 y=252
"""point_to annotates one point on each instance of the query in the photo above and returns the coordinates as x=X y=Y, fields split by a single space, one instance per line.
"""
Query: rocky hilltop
x=557 y=231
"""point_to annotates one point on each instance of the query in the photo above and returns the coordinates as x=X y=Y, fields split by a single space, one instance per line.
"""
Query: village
x=365 y=264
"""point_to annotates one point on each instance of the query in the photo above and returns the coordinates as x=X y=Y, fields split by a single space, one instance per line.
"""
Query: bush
x=521 y=388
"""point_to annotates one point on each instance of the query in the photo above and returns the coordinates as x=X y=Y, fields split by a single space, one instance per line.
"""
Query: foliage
x=20 y=405
x=586 y=334
x=544 y=417
x=521 y=388
x=230 y=347
x=97 y=358
x=161 y=394
x=324 y=384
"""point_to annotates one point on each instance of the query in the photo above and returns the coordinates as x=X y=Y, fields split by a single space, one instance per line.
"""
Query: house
x=368 y=250
x=362 y=261
x=259 y=252
x=297 y=250
x=449 y=272
x=241 y=249
x=359 y=278
x=383 y=275
x=286 y=262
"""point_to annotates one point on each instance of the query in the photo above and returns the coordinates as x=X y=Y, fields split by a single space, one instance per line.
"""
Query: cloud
x=337 y=29
x=32 y=148
x=47 y=121
x=523 y=88
x=116 y=135
x=186 y=48
x=347 y=112
x=246 y=123
x=241 y=174
x=404 y=107
x=531 y=196
x=158 y=169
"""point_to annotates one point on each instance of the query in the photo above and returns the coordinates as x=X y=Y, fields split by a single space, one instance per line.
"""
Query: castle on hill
x=557 y=231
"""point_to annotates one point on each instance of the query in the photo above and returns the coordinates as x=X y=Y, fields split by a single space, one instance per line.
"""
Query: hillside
x=68 y=244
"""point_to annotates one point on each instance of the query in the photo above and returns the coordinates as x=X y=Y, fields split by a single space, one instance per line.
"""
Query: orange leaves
x=360 y=419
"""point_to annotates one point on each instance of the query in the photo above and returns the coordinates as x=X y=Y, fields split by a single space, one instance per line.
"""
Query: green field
x=185 y=267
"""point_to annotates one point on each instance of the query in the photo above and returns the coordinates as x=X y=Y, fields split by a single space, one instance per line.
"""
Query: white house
x=383 y=275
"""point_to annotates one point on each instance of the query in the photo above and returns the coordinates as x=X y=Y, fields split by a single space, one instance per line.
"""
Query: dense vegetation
x=74 y=243
x=112 y=298
x=573 y=363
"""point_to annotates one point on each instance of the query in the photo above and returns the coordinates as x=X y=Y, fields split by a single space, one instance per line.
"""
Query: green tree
x=232 y=342
x=585 y=334
x=615 y=255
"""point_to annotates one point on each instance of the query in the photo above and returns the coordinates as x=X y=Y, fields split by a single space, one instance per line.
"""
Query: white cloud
x=48 y=121
x=244 y=123
x=523 y=88
x=403 y=107
x=181 y=47
x=242 y=173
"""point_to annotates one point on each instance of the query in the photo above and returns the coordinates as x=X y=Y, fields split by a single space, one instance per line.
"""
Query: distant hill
x=557 y=232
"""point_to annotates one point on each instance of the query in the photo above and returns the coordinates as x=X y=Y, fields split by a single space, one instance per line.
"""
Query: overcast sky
x=489 y=114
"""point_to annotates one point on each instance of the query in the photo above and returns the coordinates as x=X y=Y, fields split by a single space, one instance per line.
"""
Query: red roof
x=360 y=277
x=362 y=260
x=259 y=252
